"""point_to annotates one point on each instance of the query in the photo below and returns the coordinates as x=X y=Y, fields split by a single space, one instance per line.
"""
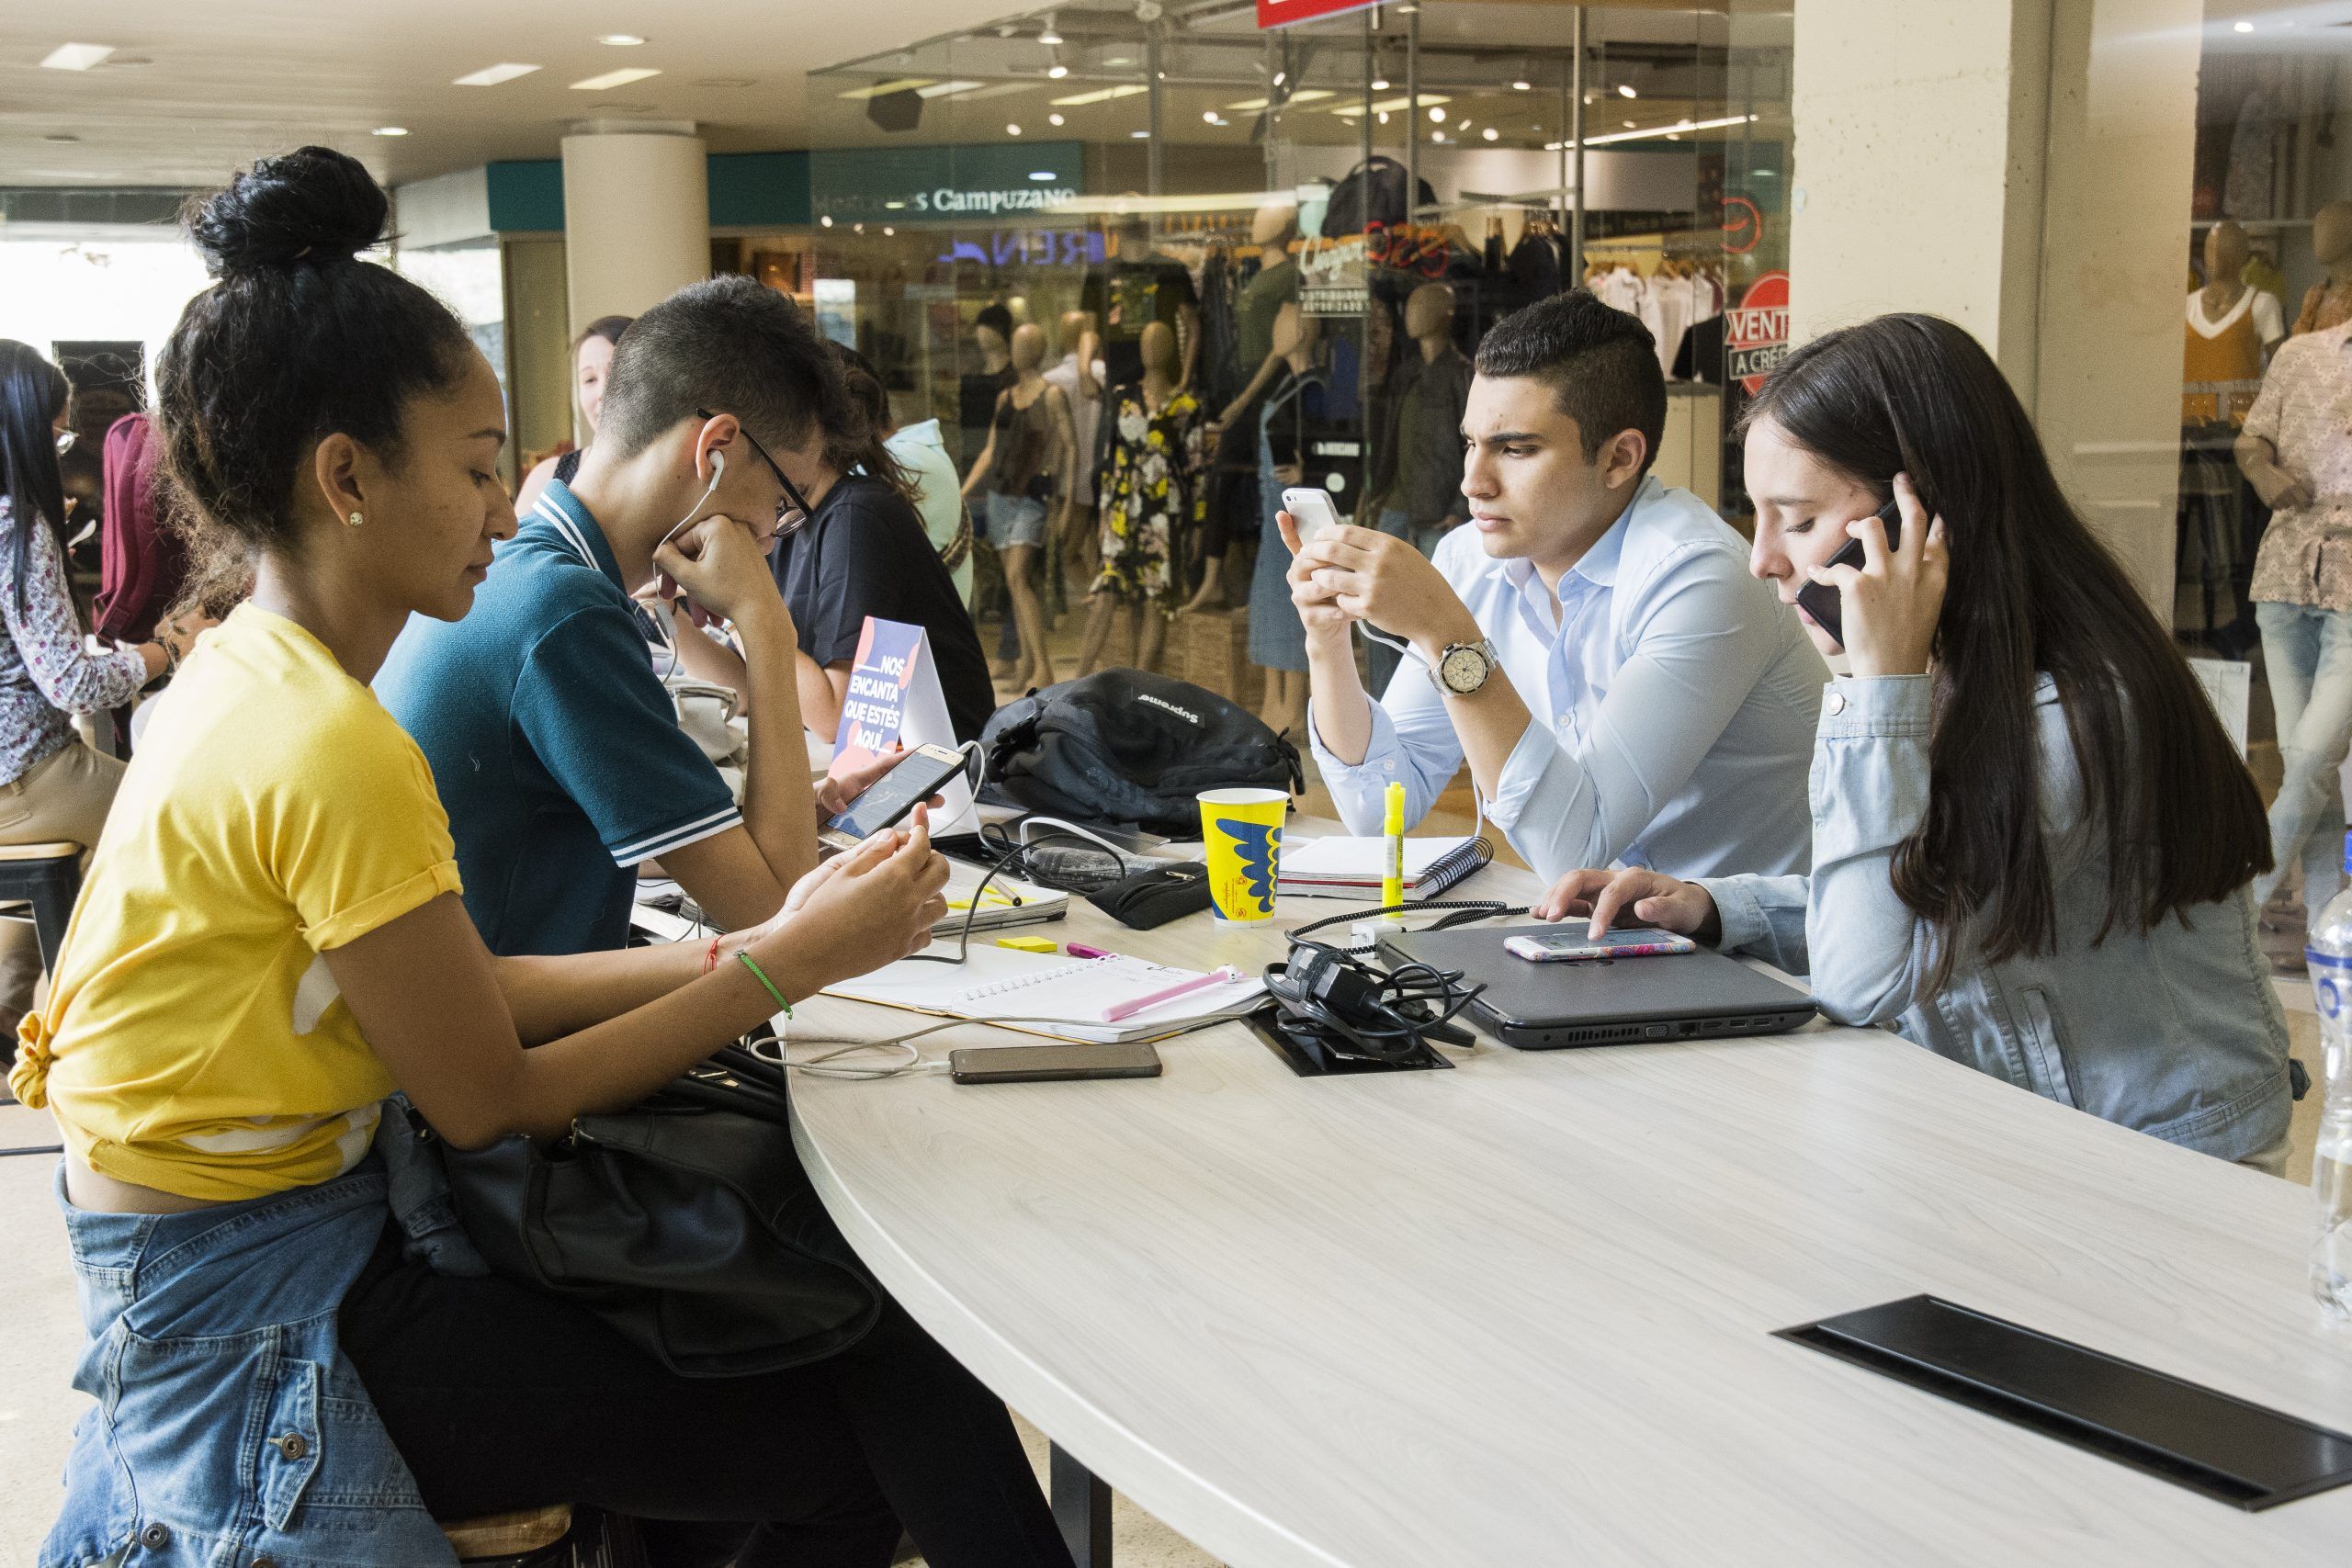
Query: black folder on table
x=2229 y=1448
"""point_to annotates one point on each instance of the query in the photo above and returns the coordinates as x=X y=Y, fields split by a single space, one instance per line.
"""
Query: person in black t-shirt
x=864 y=552
x=1136 y=288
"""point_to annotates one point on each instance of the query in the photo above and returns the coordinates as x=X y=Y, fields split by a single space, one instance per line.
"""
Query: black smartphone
x=1823 y=602
x=1046 y=1064
x=887 y=800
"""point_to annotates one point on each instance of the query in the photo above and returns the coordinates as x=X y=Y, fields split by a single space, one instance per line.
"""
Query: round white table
x=1521 y=1313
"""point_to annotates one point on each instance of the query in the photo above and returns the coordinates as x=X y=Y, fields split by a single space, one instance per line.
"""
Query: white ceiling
x=231 y=80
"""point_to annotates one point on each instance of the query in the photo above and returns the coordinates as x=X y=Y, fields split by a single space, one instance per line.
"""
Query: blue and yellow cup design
x=1243 y=832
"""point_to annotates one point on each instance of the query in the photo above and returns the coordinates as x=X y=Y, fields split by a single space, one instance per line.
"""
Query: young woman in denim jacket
x=271 y=940
x=2032 y=839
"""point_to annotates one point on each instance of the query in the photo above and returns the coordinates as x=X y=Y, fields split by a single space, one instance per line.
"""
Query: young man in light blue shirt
x=1592 y=643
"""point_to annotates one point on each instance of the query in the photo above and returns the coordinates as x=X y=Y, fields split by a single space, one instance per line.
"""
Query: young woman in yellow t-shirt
x=270 y=941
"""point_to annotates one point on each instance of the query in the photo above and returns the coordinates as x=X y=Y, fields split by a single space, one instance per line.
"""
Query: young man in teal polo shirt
x=554 y=745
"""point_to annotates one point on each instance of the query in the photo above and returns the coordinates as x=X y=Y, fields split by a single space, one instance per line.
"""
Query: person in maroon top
x=142 y=564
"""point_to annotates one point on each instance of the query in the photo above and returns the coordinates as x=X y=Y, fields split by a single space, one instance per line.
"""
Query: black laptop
x=1610 y=1001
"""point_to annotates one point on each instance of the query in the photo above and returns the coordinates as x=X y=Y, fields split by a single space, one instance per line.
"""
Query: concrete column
x=636 y=216
x=2022 y=167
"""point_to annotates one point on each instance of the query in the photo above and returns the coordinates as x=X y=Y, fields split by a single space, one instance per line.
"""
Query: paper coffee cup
x=1242 y=830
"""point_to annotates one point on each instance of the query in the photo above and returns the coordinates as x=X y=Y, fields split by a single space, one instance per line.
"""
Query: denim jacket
x=230 y=1431
x=2176 y=1033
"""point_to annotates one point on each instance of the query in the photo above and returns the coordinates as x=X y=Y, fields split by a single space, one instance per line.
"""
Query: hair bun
x=313 y=204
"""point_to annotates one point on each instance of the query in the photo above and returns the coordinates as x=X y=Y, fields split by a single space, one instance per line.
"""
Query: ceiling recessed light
x=1380 y=84
x=492 y=76
x=1055 y=119
x=857 y=228
x=61 y=137
x=2245 y=27
x=1631 y=124
x=75 y=56
x=1625 y=90
x=1050 y=35
x=1118 y=60
x=894 y=206
x=1384 y=117
x=610 y=79
x=1522 y=85
x=619 y=40
x=1138 y=135
x=888 y=229
x=1058 y=71
x=1212 y=116
x=1044 y=176
x=826 y=222
x=1012 y=130
x=1490 y=133
x=390 y=131
x=1438 y=115
x=1437 y=135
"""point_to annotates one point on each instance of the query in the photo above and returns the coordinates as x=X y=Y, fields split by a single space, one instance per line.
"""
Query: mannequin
x=1029 y=460
x=2329 y=303
x=1293 y=403
x=2230 y=329
x=1153 y=489
x=1079 y=373
x=1413 y=487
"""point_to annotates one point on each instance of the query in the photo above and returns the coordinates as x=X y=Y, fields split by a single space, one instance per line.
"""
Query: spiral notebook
x=1057 y=996
x=1342 y=867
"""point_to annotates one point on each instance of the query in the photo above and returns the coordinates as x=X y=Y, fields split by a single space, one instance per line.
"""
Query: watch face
x=1464 y=670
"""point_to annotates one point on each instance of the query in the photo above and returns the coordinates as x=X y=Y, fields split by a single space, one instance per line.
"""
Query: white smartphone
x=1312 y=506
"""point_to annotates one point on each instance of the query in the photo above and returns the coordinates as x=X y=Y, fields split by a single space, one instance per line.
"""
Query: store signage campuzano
x=943 y=184
x=1757 y=332
x=1282 y=13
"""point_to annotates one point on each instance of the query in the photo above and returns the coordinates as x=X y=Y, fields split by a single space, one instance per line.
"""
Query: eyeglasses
x=792 y=512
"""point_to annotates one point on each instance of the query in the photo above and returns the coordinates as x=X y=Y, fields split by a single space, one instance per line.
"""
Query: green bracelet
x=761 y=974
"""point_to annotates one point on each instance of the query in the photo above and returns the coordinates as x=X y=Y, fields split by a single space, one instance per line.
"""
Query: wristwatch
x=1462 y=667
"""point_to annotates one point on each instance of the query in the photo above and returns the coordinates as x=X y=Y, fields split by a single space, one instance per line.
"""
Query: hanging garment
x=2246 y=193
x=1222 y=373
x=1155 y=492
x=1373 y=192
x=1535 y=266
x=1674 y=297
x=2221 y=365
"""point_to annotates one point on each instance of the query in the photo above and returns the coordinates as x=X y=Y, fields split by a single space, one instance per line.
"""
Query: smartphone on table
x=1569 y=944
x=1311 y=505
x=887 y=799
x=1050 y=1063
x=1821 y=601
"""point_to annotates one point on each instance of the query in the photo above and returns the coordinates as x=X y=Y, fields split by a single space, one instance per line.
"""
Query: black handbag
x=687 y=1224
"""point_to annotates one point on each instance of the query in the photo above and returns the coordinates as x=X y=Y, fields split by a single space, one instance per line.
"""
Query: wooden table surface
x=1521 y=1313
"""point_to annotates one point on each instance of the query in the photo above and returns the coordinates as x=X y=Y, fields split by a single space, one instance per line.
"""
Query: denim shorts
x=1015 y=519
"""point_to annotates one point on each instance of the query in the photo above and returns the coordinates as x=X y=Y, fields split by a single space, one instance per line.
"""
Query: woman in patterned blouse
x=52 y=788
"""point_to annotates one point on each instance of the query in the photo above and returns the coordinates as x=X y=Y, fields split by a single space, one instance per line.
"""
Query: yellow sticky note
x=1030 y=943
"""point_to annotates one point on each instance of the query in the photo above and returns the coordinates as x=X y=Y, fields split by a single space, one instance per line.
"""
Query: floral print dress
x=1154 y=486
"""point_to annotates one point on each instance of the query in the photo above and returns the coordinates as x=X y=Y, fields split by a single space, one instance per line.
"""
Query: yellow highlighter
x=1392 y=886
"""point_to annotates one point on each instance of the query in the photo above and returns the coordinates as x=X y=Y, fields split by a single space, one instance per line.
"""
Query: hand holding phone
x=1824 y=603
x=885 y=803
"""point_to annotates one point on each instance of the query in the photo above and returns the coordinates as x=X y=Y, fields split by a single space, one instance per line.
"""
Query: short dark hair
x=1600 y=364
x=298 y=340
x=997 y=318
x=730 y=346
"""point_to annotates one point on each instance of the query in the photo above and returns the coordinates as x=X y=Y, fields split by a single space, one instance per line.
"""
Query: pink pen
x=1220 y=976
x=1079 y=949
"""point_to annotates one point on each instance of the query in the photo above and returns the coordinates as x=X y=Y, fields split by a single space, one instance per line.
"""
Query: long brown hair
x=2031 y=592
x=865 y=448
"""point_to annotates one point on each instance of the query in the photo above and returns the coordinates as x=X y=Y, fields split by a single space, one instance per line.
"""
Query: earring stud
x=355 y=520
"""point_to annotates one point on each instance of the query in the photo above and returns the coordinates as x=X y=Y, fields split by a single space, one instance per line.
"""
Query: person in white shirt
x=1625 y=692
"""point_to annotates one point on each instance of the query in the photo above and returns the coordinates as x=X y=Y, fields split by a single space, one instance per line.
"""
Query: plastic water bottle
x=2329 y=957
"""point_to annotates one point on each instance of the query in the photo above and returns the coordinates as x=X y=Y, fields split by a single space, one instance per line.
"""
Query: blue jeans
x=2308 y=652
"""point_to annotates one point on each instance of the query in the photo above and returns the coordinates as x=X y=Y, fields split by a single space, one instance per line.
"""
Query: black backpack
x=1129 y=746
